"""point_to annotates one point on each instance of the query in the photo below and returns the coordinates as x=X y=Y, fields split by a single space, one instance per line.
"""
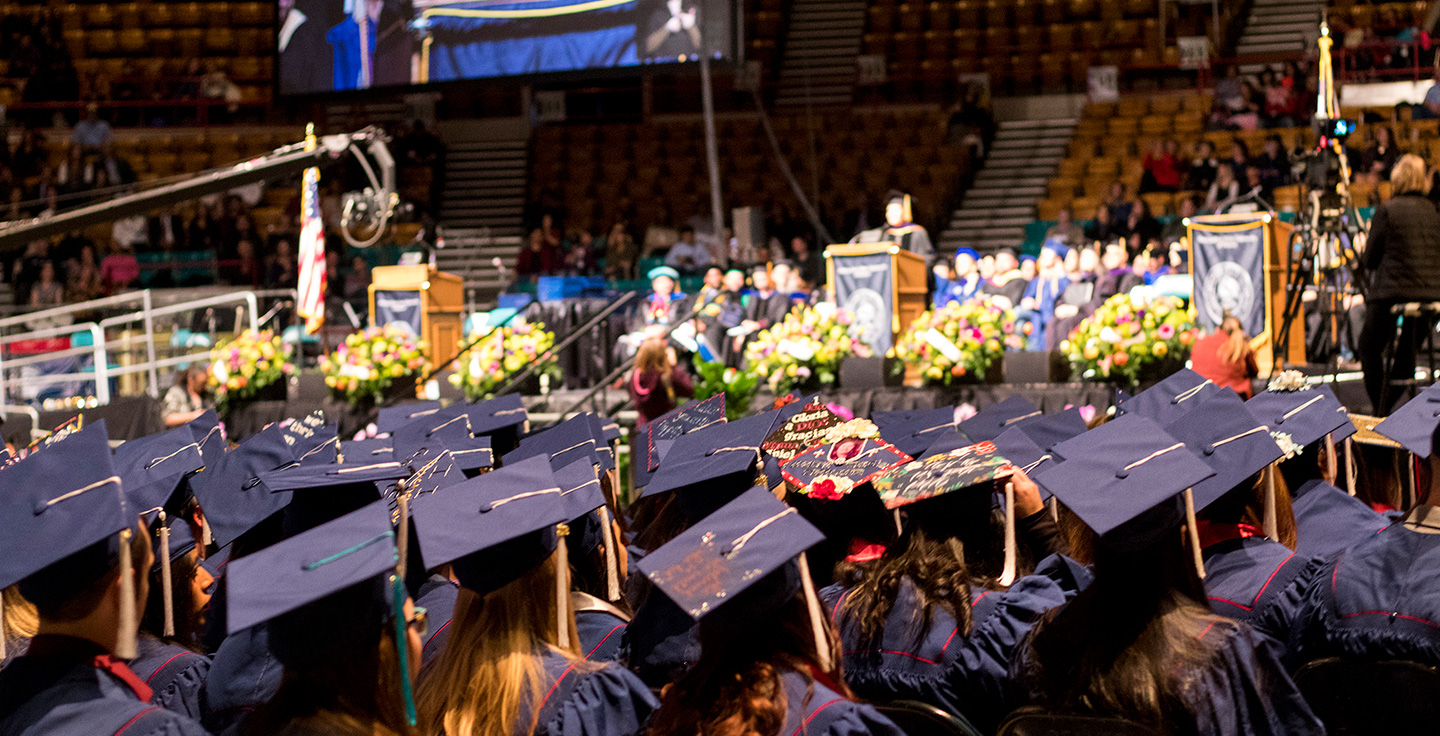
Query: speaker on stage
x=1036 y=366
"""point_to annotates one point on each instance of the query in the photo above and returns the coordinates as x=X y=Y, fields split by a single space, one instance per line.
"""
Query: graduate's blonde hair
x=491 y=668
x=19 y=616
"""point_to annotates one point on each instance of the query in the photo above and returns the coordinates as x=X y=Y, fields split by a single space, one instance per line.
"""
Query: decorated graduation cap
x=1413 y=425
x=708 y=468
x=1171 y=398
x=1125 y=480
x=914 y=433
x=847 y=456
x=392 y=418
x=442 y=427
x=1307 y=415
x=1050 y=430
x=802 y=429
x=65 y=525
x=1224 y=433
x=741 y=553
x=329 y=590
x=994 y=419
x=681 y=421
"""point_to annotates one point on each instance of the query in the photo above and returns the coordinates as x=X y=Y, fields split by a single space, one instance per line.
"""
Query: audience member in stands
x=1065 y=231
x=538 y=257
x=47 y=292
x=120 y=270
x=83 y=280
x=1254 y=186
x=245 y=269
x=1225 y=187
x=1119 y=201
x=1162 y=168
x=1239 y=155
x=809 y=265
x=687 y=256
x=26 y=270
x=621 y=253
x=579 y=253
x=1281 y=102
x=965 y=281
x=184 y=401
x=1042 y=293
x=1176 y=228
x=216 y=86
x=92 y=133
x=986 y=268
x=765 y=308
x=1224 y=356
x=1202 y=167
x=1007 y=286
x=357 y=284
x=283 y=272
x=1139 y=227
x=1028 y=269
x=657 y=380
x=1273 y=164
x=1076 y=297
x=1377 y=161
x=1101 y=228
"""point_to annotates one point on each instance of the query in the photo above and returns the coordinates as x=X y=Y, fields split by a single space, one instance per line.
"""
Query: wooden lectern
x=431 y=302
x=882 y=285
x=1275 y=237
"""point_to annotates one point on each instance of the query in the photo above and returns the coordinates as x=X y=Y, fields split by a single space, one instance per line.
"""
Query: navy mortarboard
x=936 y=417
x=684 y=420
x=209 y=436
x=994 y=419
x=563 y=444
x=1171 y=398
x=154 y=470
x=441 y=427
x=915 y=433
x=1223 y=432
x=1307 y=415
x=1050 y=430
x=392 y=418
x=503 y=419
x=1413 y=424
x=710 y=467
x=367 y=450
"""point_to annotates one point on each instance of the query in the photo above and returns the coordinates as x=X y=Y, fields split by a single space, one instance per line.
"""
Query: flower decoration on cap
x=1287 y=443
x=1287 y=381
x=829 y=488
x=862 y=429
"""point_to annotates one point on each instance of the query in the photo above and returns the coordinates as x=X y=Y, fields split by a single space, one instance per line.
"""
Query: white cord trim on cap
x=1190 y=393
x=319 y=447
x=426 y=412
x=743 y=539
x=582 y=485
x=577 y=444
x=78 y=491
x=156 y=461
x=528 y=494
x=206 y=438
x=1246 y=433
x=1301 y=407
x=1154 y=455
x=1032 y=466
x=376 y=466
x=466 y=417
x=1013 y=420
x=500 y=413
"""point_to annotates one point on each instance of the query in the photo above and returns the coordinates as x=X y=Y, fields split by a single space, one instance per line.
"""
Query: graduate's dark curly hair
x=935 y=566
x=736 y=689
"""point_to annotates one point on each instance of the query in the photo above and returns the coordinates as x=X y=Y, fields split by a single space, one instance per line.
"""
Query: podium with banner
x=881 y=284
x=1239 y=264
x=427 y=302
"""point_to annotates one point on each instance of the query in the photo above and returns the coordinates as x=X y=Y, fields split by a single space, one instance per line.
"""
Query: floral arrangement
x=1131 y=338
x=501 y=353
x=364 y=368
x=806 y=349
x=1287 y=381
x=739 y=387
x=958 y=342
x=241 y=367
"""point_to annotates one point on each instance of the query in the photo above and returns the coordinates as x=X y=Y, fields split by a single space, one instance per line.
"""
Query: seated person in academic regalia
x=1328 y=521
x=1141 y=642
x=78 y=552
x=513 y=637
x=1043 y=292
x=1007 y=286
x=938 y=601
x=769 y=666
x=349 y=649
x=899 y=227
x=662 y=306
x=966 y=281
x=765 y=308
x=601 y=613
x=169 y=659
x=1378 y=599
x=1112 y=276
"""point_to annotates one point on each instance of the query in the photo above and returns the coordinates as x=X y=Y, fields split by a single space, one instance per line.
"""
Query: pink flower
x=1166 y=331
x=825 y=490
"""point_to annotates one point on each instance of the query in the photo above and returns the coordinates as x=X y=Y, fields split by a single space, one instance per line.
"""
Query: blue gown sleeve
x=162 y=722
x=977 y=684
x=608 y=701
x=183 y=692
x=1286 y=615
x=848 y=718
x=1246 y=691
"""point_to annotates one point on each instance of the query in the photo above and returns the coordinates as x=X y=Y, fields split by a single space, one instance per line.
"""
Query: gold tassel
x=205 y=538
x=612 y=556
x=1349 y=466
x=1194 y=532
x=402 y=534
x=562 y=587
x=899 y=529
x=125 y=637
x=1272 y=524
x=1054 y=505
x=167 y=591
x=817 y=618
x=1007 y=576
x=3 y=635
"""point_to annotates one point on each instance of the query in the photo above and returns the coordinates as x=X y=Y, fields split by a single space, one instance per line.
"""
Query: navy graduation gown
x=243 y=675
x=70 y=687
x=584 y=699
x=1329 y=521
x=962 y=673
x=1380 y=600
x=437 y=596
x=601 y=627
x=812 y=708
x=175 y=674
x=662 y=641
x=1255 y=579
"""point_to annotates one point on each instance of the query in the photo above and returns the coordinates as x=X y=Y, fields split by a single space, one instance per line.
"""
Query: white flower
x=1287 y=381
x=1109 y=335
x=825 y=310
x=797 y=349
x=1286 y=443
x=221 y=374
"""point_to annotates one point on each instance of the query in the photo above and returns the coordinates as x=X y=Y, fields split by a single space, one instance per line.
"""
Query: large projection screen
x=337 y=45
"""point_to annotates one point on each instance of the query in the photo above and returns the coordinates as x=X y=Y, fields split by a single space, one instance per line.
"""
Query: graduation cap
x=329 y=590
x=64 y=525
x=1050 y=430
x=320 y=493
x=741 y=552
x=599 y=431
x=1124 y=479
x=500 y=416
x=1224 y=433
x=1171 y=398
x=938 y=416
x=367 y=450
x=994 y=419
x=209 y=436
x=842 y=461
x=154 y=470
x=1306 y=416
x=945 y=440
x=442 y=426
x=562 y=444
x=681 y=421
x=711 y=467
x=967 y=467
x=392 y=418
x=471 y=456
x=915 y=433
x=1413 y=425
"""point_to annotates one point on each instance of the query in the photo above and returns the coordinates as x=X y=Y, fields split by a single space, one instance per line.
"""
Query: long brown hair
x=652 y=358
x=1245 y=504
x=1124 y=645
x=735 y=689
x=935 y=566
x=492 y=668
x=1237 y=347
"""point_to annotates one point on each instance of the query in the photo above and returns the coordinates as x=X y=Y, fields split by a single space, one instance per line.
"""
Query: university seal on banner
x=868 y=308
x=1228 y=287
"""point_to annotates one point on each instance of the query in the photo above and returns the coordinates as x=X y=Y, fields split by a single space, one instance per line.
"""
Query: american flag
x=311 y=307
